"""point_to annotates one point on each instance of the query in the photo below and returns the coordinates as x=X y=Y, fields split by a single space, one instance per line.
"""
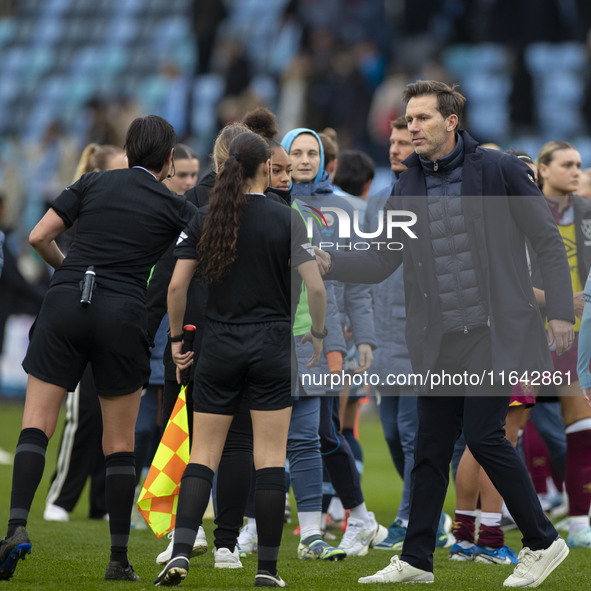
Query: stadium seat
x=121 y=29
x=8 y=28
x=207 y=91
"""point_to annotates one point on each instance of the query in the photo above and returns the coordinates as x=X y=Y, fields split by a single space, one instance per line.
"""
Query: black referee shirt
x=257 y=286
x=126 y=221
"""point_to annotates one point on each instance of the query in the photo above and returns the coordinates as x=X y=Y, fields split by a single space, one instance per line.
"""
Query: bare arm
x=177 y=303
x=42 y=238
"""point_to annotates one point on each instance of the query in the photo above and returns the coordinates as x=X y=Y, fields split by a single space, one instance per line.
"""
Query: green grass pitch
x=72 y=556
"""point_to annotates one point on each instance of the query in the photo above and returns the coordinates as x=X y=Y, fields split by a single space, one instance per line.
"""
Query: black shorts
x=110 y=334
x=243 y=360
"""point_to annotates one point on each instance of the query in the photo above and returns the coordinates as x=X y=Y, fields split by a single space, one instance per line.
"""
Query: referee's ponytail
x=216 y=249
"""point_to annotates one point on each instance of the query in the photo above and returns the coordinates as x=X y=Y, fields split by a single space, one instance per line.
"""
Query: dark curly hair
x=263 y=122
x=216 y=250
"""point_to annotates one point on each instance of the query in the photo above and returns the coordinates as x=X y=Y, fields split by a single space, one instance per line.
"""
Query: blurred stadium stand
x=74 y=71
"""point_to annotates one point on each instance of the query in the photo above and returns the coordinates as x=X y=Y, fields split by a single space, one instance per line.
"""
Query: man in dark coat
x=473 y=326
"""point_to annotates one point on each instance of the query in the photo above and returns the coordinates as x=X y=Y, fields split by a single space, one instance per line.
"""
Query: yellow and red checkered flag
x=159 y=496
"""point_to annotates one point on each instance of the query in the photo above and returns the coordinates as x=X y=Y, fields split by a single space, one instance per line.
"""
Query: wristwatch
x=176 y=339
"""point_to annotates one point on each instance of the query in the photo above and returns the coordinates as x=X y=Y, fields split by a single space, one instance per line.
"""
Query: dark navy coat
x=502 y=205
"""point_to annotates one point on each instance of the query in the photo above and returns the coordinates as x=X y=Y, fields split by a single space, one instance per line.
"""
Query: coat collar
x=469 y=144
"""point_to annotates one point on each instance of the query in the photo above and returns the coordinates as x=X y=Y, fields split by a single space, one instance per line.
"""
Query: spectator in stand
x=207 y=17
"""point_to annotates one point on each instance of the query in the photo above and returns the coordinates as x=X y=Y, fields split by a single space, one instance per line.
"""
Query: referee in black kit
x=244 y=249
x=94 y=311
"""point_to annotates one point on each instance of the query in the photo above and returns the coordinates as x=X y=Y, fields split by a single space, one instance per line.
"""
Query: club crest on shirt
x=586 y=228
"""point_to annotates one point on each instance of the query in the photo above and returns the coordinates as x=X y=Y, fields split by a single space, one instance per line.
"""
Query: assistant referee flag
x=159 y=495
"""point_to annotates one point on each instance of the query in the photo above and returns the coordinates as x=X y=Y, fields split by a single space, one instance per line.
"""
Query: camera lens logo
x=318 y=216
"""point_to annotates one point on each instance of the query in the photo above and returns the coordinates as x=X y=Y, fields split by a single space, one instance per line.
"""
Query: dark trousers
x=481 y=410
x=337 y=455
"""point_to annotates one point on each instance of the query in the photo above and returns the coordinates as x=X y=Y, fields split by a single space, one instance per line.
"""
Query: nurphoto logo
x=350 y=236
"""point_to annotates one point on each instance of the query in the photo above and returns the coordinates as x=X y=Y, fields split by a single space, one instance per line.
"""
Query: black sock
x=29 y=462
x=232 y=493
x=269 y=499
x=193 y=499
x=119 y=494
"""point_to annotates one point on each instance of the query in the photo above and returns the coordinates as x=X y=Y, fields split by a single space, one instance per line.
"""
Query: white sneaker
x=6 y=458
x=582 y=539
x=199 y=547
x=535 y=565
x=399 y=571
x=226 y=559
x=248 y=539
x=55 y=513
x=358 y=538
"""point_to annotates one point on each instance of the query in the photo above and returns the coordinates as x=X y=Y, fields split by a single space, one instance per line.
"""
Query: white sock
x=465 y=545
x=577 y=523
x=360 y=512
x=551 y=487
x=252 y=522
x=490 y=519
x=309 y=523
x=336 y=509
x=403 y=522
x=468 y=513
x=582 y=425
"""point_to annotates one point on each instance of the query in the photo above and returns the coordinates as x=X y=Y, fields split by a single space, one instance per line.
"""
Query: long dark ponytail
x=216 y=249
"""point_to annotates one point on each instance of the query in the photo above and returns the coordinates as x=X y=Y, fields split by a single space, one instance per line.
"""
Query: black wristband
x=319 y=335
x=176 y=339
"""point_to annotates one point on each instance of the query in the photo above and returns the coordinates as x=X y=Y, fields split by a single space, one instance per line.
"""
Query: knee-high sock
x=269 y=501
x=29 y=462
x=536 y=456
x=193 y=499
x=119 y=493
x=463 y=526
x=578 y=470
